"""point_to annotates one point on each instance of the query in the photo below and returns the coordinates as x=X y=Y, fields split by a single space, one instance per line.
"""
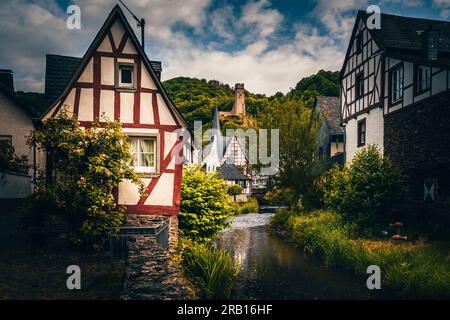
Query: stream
x=273 y=268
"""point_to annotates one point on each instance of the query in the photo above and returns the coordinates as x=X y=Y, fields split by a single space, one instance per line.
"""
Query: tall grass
x=211 y=271
x=416 y=270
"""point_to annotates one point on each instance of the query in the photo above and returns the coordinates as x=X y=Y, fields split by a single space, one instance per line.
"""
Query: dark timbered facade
x=393 y=80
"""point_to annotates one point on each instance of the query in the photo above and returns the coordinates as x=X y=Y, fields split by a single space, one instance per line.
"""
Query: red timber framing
x=117 y=52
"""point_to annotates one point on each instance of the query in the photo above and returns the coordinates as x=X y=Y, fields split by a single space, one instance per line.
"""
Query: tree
x=299 y=166
x=87 y=164
x=365 y=190
x=234 y=190
x=9 y=161
x=205 y=205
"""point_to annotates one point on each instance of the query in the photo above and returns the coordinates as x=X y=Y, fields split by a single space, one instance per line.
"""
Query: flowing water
x=272 y=268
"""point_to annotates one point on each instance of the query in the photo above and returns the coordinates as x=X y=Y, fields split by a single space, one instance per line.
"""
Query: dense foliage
x=416 y=270
x=212 y=271
x=197 y=98
x=299 y=166
x=366 y=189
x=324 y=83
x=205 y=205
x=9 y=160
x=87 y=164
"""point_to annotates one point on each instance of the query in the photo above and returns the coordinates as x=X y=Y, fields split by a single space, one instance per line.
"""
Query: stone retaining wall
x=150 y=272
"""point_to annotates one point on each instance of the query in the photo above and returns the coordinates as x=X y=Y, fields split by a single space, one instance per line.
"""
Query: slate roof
x=24 y=106
x=404 y=33
x=231 y=172
x=330 y=108
x=58 y=72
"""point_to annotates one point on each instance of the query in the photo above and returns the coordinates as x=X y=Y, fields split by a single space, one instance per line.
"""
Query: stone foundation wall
x=150 y=272
x=417 y=140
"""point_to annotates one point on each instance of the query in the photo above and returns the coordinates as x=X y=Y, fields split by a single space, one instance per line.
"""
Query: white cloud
x=264 y=61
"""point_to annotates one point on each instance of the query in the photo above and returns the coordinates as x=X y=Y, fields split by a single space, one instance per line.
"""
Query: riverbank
x=414 y=269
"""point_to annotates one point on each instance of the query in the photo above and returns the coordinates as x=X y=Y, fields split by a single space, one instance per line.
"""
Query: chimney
x=6 y=80
x=430 y=44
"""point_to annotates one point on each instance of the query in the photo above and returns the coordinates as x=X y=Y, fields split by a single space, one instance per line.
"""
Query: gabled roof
x=117 y=13
x=58 y=72
x=329 y=108
x=404 y=33
x=402 y=36
x=231 y=172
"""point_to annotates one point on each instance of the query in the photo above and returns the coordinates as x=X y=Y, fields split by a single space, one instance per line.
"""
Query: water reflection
x=271 y=268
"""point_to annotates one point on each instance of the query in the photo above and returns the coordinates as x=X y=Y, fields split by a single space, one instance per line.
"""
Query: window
x=359 y=42
x=397 y=84
x=125 y=75
x=423 y=79
x=361 y=133
x=7 y=138
x=143 y=151
x=359 y=85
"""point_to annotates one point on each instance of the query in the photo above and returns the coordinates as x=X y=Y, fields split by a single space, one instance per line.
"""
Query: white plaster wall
x=107 y=105
x=86 y=107
x=165 y=117
x=146 y=80
x=374 y=132
x=163 y=192
x=129 y=48
x=16 y=123
x=69 y=103
x=117 y=32
x=146 y=114
x=129 y=192
x=105 y=46
x=88 y=73
x=107 y=66
x=126 y=107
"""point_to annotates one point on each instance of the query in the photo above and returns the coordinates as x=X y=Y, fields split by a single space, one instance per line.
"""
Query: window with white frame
x=423 y=79
x=397 y=84
x=125 y=75
x=143 y=151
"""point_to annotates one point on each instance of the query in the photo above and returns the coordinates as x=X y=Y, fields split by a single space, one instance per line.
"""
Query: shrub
x=281 y=197
x=205 y=205
x=365 y=190
x=250 y=206
x=87 y=163
x=212 y=271
x=9 y=161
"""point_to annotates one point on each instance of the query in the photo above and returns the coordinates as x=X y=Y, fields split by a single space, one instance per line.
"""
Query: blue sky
x=268 y=45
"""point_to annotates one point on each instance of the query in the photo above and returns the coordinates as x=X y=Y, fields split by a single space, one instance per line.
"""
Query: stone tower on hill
x=239 y=102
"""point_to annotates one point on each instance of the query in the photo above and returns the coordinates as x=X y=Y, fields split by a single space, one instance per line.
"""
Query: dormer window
x=125 y=75
x=430 y=42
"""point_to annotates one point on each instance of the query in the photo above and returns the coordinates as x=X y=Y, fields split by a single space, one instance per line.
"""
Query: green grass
x=416 y=270
x=211 y=271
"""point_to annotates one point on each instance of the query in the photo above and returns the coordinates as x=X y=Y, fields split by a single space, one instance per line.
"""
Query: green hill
x=196 y=98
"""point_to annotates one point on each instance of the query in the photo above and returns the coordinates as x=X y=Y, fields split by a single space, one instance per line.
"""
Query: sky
x=268 y=45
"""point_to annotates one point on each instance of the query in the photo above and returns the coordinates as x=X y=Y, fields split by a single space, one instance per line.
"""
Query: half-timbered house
x=395 y=93
x=115 y=80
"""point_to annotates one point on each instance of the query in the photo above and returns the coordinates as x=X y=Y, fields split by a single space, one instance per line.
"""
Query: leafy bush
x=250 y=206
x=87 y=165
x=212 y=271
x=365 y=190
x=416 y=270
x=9 y=161
x=281 y=197
x=205 y=205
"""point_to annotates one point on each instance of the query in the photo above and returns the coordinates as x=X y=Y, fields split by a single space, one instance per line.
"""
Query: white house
x=115 y=80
